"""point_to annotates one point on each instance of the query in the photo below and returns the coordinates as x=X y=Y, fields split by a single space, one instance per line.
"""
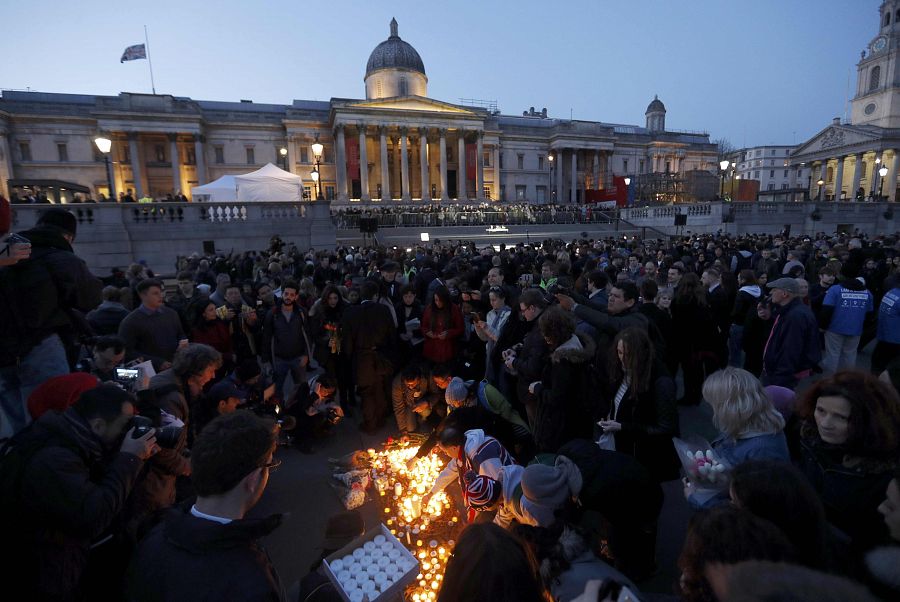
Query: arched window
x=875 y=78
x=897 y=18
x=404 y=89
x=887 y=19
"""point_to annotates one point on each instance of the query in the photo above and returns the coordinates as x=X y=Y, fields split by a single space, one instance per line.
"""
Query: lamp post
x=283 y=152
x=550 y=159
x=882 y=173
x=317 y=149
x=627 y=184
x=733 y=165
x=104 y=145
x=821 y=183
x=723 y=165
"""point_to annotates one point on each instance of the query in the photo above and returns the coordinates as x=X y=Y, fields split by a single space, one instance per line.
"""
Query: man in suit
x=368 y=338
x=720 y=306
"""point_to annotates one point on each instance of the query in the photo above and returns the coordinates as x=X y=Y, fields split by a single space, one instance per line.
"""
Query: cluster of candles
x=427 y=532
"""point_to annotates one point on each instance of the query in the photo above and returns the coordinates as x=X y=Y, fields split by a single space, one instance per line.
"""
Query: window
x=329 y=193
x=668 y=166
x=304 y=154
x=220 y=154
x=520 y=193
x=785 y=173
x=486 y=192
x=541 y=194
x=327 y=154
x=520 y=161
x=758 y=153
x=771 y=173
x=874 y=78
x=756 y=174
x=784 y=186
x=502 y=192
x=625 y=166
x=251 y=156
x=450 y=155
x=159 y=152
x=63 y=151
x=189 y=157
x=486 y=158
x=641 y=166
x=404 y=88
x=540 y=162
x=378 y=90
x=887 y=19
x=25 y=151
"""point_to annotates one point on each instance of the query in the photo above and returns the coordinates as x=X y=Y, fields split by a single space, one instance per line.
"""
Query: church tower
x=877 y=99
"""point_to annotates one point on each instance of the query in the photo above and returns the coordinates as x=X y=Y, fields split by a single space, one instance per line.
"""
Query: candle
x=398 y=489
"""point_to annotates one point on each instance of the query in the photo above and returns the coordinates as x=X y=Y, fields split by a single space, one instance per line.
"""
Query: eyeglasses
x=272 y=466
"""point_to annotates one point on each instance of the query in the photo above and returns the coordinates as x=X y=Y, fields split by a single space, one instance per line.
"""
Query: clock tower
x=877 y=99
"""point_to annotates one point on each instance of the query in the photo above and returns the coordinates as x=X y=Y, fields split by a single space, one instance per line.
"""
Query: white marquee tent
x=223 y=190
x=269 y=183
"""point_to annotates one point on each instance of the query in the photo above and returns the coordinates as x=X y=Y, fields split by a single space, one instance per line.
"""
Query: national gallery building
x=396 y=145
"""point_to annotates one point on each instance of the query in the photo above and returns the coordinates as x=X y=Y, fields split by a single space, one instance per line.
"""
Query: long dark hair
x=488 y=564
x=444 y=293
x=639 y=356
x=689 y=287
x=197 y=308
x=327 y=292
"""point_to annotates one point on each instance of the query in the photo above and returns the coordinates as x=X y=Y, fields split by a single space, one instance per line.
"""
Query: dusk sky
x=762 y=72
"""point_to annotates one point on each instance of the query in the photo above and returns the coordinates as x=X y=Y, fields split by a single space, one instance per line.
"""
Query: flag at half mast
x=132 y=53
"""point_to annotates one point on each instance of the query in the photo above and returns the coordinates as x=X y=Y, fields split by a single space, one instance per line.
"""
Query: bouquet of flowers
x=702 y=466
x=352 y=490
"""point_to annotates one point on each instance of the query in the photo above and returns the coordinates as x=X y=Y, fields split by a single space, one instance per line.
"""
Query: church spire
x=394 y=33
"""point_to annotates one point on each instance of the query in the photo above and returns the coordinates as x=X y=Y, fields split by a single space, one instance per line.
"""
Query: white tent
x=222 y=190
x=269 y=183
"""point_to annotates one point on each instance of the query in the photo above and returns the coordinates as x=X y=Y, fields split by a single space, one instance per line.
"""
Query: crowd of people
x=484 y=214
x=142 y=420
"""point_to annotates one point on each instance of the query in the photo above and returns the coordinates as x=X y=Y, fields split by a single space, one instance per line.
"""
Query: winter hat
x=481 y=491
x=457 y=392
x=342 y=528
x=788 y=285
x=224 y=390
x=60 y=218
x=551 y=486
x=59 y=393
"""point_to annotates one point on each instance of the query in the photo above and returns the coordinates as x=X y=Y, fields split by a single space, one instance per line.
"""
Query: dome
x=656 y=105
x=394 y=53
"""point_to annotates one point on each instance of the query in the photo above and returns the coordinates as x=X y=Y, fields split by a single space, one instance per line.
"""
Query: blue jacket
x=793 y=346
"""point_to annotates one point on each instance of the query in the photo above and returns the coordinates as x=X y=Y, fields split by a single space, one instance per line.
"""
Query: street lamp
x=550 y=159
x=283 y=153
x=821 y=183
x=104 y=145
x=733 y=165
x=317 y=149
x=723 y=165
x=627 y=184
x=882 y=174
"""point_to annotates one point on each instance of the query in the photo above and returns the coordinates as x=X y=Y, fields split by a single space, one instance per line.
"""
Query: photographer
x=527 y=360
x=107 y=353
x=62 y=485
x=315 y=409
x=171 y=394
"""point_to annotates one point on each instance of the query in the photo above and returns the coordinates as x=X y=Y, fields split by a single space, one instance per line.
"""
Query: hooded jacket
x=566 y=394
x=191 y=558
x=745 y=303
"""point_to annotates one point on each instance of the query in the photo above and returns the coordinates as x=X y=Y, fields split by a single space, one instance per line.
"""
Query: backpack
x=26 y=321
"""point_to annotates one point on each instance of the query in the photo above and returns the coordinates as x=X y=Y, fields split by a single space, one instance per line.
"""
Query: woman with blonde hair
x=750 y=426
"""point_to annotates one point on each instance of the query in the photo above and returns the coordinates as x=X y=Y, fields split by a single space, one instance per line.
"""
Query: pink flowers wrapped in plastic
x=702 y=466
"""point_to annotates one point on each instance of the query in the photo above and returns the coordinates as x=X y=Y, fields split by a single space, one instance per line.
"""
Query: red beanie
x=59 y=393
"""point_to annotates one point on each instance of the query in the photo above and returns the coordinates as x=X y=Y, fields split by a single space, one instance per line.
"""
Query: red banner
x=619 y=193
x=471 y=158
x=352 y=146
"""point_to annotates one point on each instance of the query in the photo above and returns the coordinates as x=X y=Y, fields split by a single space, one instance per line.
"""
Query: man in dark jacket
x=37 y=296
x=208 y=550
x=106 y=318
x=793 y=348
x=368 y=339
x=76 y=470
x=285 y=340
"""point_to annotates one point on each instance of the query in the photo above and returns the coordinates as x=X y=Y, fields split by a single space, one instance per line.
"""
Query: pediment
x=835 y=137
x=410 y=103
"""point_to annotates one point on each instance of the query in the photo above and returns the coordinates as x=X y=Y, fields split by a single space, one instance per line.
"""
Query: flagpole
x=149 y=62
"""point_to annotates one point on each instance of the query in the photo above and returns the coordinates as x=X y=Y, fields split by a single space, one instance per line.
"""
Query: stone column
x=560 y=187
x=444 y=195
x=595 y=170
x=857 y=175
x=175 y=160
x=891 y=184
x=479 y=166
x=497 y=173
x=363 y=164
x=573 y=195
x=340 y=164
x=873 y=181
x=385 y=180
x=838 y=178
x=135 y=165
x=461 y=193
x=423 y=163
x=823 y=175
x=404 y=167
x=200 y=158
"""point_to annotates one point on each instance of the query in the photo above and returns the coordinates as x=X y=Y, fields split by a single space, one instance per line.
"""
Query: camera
x=332 y=416
x=166 y=437
x=128 y=378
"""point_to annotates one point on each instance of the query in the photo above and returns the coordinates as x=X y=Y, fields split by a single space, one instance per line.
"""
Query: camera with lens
x=166 y=436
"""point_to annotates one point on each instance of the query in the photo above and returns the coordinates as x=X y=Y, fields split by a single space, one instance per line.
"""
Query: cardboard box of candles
x=374 y=566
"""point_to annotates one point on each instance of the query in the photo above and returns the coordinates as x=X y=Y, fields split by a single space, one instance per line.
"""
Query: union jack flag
x=132 y=53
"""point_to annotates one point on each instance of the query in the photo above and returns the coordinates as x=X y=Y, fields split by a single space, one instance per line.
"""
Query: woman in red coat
x=210 y=330
x=442 y=325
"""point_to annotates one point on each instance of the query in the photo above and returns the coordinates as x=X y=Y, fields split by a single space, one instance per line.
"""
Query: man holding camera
x=63 y=482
